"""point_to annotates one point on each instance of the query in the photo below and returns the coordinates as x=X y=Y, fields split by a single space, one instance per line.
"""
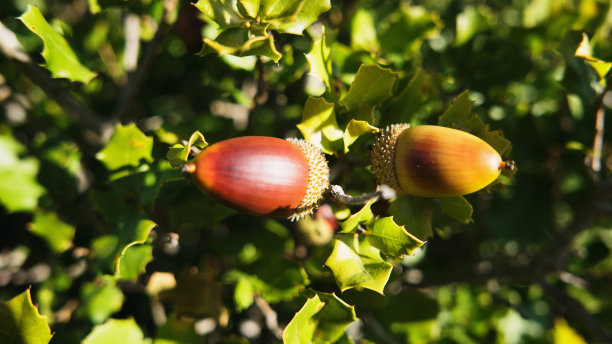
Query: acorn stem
x=383 y=191
x=507 y=165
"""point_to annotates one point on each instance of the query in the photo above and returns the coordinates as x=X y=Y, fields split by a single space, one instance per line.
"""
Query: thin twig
x=270 y=316
x=572 y=309
x=137 y=79
x=598 y=139
x=383 y=191
x=13 y=50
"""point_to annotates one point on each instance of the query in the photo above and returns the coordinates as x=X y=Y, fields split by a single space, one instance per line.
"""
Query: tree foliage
x=104 y=239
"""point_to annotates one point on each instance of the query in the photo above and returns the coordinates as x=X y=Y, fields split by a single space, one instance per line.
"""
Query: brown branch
x=137 y=79
x=269 y=315
x=85 y=117
x=595 y=158
x=383 y=191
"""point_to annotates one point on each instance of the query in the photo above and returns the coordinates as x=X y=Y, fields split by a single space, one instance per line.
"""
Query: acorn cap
x=383 y=155
x=318 y=179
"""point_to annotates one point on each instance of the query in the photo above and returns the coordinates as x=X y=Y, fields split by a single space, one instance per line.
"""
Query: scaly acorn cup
x=263 y=175
x=434 y=161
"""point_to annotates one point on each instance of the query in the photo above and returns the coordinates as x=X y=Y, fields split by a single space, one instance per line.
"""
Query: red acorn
x=263 y=175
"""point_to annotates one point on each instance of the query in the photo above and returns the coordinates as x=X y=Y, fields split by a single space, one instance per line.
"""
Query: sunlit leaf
x=363 y=31
x=320 y=61
x=115 y=331
x=101 y=298
x=564 y=334
x=61 y=59
x=364 y=215
x=355 y=263
x=355 y=129
x=224 y=12
x=243 y=293
x=132 y=231
x=319 y=125
x=179 y=154
x=371 y=86
x=458 y=115
x=134 y=262
x=391 y=239
x=308 y=12
x=57 y=233
x=126 y=147
x=322 y=319
x=470 y=22
x=239 y=42
x=19 y=190
x=20 y=322
x=585 y=51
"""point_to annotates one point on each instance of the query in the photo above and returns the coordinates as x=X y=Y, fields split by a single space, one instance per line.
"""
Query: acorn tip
x=188 y=168
x=507 y=165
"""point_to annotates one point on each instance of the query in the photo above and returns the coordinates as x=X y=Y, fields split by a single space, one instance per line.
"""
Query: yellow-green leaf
x=59 y=56
x=127 y=147
x=319 y=59
x=116 y=331
x=319 y=125
x=179 y=155
x=371 y=86
x=20 y=322
x=355 y=129
x=57 y=233
x=392 y=239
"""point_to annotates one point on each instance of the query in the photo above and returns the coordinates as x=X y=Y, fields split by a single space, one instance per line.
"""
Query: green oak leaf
x=243 y=293
x=19 y=190
x=223 y=12
x=241 y=42
x=363 y=31
x=584 y=51
x=307 y=13
x=415 y=214
x=134 y=262
x=115 y=331
x=355 y=263
x=459 y=116
x=126 y=147
x=391 y=239
x=364 y=215
x=59 y=56
x=101 y=298
x=458 y=208
x=57 y=233
x=320 y=61
x=179 y=155
x=319 y=125
x=355 y=129
x=371 y=86
x=21 y=323
x=403 y=107
x=132 y=231
x=323 y=319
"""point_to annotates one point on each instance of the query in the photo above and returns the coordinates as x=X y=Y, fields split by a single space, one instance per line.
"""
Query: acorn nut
x=434 y=161
x=263 y=175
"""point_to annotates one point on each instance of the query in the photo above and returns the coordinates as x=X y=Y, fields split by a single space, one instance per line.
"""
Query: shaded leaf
x=319 y=125
x=355 y=129
x=403 y=106
x=115 y=331
x=322 y=319
x=20 y=322
x=458 y=208
x=127 y=147
x=458 y=115
x=355 y=263
x=415 y=214
x=19 y=190
x=364 y=215
x=196 y=294
x=179 y=155
x=134 y=262
x=61 y=59
x=320 y=61
x=57 y=233
x=132 y=231
x=392 y=239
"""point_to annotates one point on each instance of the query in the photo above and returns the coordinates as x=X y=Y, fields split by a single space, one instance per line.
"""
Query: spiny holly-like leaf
x=459 y=116
x=57 y=233
x=306 y=14
x=61 y=59
x=241 y=42
x=319 y=59
x=127 y=147
x=134 y=262
x=355 y=129
x=179 y=155
x=322 y=319
x=392 y=239
x=319 y=125
x=115 y=331
x=371 y=86
x=101 y=298
x=20 y=322
x=585 y=51
x=364 y=215
x=132 y=231
x=415 y=214
x=355 y=263
x=19 y=190
x=458 y=208
x=223 y=12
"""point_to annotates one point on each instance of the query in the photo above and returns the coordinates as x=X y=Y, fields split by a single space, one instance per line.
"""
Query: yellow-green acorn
x=263 y=175
x=434 y=161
